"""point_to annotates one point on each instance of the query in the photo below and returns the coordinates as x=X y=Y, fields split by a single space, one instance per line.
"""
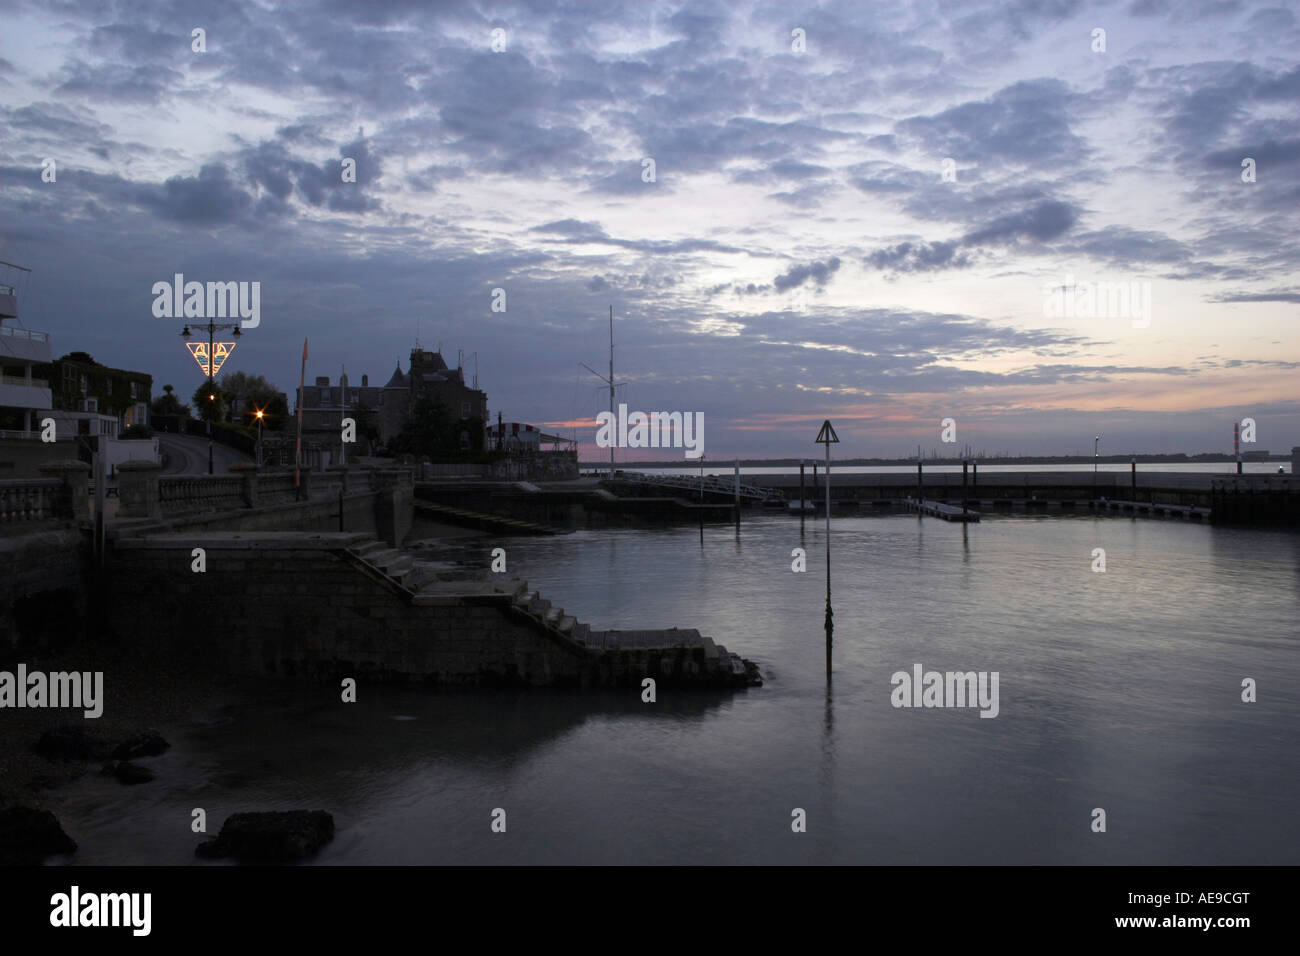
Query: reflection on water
x=1118 y=690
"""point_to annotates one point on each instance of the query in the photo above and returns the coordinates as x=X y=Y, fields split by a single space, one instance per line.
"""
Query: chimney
x=322 y=381
x=365 y=381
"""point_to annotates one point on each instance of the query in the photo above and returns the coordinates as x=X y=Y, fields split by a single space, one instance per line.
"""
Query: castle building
x=381 y=412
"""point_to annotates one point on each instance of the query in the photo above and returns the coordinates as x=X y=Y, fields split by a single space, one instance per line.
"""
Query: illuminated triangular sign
x=200 y=352
x=827 y=435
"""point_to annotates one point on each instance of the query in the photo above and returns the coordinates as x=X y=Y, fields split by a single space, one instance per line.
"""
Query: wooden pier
x=937 y=509
x=1152 y=508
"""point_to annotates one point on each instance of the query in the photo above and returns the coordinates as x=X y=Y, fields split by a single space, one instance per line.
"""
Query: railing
x=35 y=499
x=712 y=484
x=206 y=493
x=21 y=380
x=145 y=494
x=9 y=330
x=14 y=433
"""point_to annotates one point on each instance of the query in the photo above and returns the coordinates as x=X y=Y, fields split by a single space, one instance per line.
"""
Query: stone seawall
x=312 y=605
x=43 y=587
x=366 y=512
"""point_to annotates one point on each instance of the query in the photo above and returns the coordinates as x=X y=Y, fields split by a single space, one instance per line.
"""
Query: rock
x=70 y=743
x=28 y=836
x=276 y=837
x=128 y=772
x=147 y=744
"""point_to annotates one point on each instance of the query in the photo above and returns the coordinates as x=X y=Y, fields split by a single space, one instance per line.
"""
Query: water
x=1118 y=690
x=725 y=468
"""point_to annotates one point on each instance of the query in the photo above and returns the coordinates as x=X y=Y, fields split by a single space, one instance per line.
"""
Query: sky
x=865 y=212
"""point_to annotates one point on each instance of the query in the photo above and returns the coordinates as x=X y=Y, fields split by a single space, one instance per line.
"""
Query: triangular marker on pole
x=827 y=435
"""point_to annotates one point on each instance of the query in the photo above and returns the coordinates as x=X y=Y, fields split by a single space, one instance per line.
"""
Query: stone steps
x=449 y=583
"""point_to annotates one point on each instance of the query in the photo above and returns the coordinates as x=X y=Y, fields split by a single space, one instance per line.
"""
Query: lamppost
x=259 y=438
x=212 y=328
x=1096 y=444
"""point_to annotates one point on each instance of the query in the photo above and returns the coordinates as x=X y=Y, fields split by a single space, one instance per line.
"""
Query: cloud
x=1039 y=223
x=210 y=198
x=1025 y=123
x=818 y=272
x=1292 y=297
x=228 y=164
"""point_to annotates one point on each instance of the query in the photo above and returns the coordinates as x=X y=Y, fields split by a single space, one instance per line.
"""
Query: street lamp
x=1096 y=444
x=212 y=329
x=259 y=438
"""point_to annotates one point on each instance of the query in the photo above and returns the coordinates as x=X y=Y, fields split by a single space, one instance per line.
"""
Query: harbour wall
x=307 y=605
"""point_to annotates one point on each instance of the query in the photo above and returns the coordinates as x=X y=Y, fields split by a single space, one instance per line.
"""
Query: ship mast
x=612 y=384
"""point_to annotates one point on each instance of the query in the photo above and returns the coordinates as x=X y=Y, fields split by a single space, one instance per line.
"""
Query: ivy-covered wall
x=111 y=386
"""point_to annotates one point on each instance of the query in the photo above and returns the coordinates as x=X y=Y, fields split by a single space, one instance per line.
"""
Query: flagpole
x=297 y=450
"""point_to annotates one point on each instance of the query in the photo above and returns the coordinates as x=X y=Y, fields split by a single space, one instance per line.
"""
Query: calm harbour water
x=724 y=468
x=1118 y=690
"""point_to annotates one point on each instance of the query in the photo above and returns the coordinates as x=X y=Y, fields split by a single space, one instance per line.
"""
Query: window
x=324 y=396
x=135 y=393
x=85 y=384
x=464 y=409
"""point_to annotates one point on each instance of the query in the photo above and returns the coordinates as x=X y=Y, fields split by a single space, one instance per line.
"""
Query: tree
x=248 y=393
x=169 y=404
x=210 y=402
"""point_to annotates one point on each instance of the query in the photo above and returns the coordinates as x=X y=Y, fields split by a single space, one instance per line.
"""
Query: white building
x=24 y=400
x=514 y=436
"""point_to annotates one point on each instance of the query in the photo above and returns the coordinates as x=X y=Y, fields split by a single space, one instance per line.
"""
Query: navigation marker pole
x=828 y=437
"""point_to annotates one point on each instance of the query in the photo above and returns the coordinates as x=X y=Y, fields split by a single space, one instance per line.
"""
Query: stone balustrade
x=62 y=495
x=33 y=499
x=144 y=494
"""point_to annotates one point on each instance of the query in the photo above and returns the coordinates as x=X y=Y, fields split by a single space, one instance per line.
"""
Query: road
x=188 y=455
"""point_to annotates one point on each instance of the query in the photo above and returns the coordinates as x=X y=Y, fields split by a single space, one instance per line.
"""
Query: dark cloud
x=1044 y=221
x=1038 y=223
x=919 y=257
x=1272 y=153
x=1293 y=297
x=575 y=232
x=1027 y=123
x=818 y=272
x=1120 y=245
x=55 y=122
x=119 y=83
x=210 y=198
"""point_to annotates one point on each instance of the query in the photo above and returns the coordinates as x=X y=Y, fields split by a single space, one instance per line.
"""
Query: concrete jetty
x=333 y=605
x=1218 y=498
x=938 y=509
